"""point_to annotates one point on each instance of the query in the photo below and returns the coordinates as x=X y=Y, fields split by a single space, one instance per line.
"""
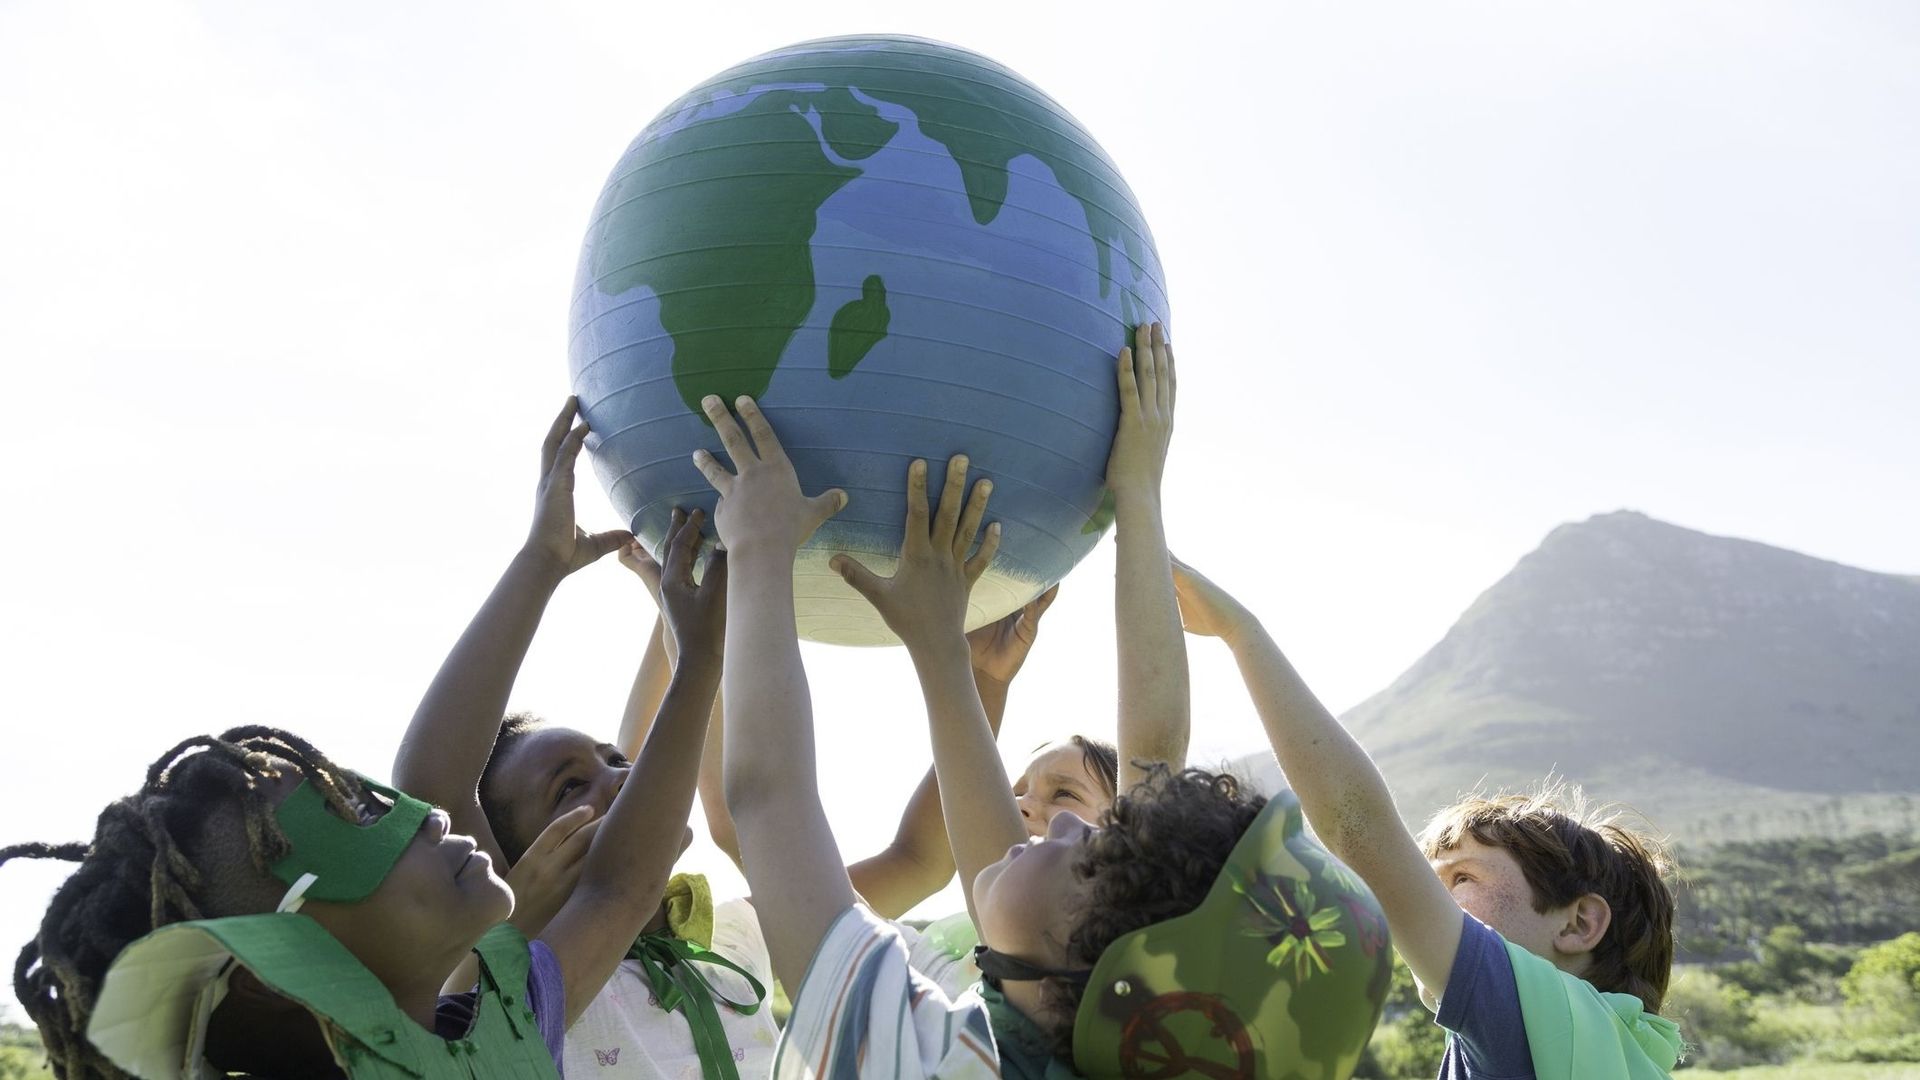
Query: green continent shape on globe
x=719 y=217
x=857 y=327
x=722 y=217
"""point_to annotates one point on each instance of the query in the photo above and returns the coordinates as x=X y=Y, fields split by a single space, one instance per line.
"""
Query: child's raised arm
x=625 y=871
x=656 y=660
x=789 y=854
x=918 y=861
x=1154 y=706
x=451 y=735
x=1340 y=790
x=649 y=684
x=925 y=603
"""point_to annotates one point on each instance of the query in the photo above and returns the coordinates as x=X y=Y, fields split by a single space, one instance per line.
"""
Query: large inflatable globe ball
x=902 y=250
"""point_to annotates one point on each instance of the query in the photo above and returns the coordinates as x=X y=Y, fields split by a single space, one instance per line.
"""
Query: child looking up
x=256 y=823
x=1078 y=774
x=917 y=863
x=1544 y=936
x=686 y=996
x=683 y=993
x=175 y=947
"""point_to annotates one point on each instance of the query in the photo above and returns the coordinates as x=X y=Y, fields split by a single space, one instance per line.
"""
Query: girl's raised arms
x=451 y=734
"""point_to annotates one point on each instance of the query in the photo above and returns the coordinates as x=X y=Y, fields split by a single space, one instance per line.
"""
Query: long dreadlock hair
x=137 y=874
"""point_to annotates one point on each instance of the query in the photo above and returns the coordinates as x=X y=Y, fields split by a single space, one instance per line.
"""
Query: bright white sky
x=283 y=297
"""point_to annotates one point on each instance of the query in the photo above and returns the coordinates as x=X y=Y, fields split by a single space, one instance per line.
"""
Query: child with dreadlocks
x=686 y=999
x=154 y=959
x=1109 y=951
x=1543 y=933
x=255 y=909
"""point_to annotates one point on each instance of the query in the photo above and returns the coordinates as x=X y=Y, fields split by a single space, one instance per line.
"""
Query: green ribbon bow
x=668 y=963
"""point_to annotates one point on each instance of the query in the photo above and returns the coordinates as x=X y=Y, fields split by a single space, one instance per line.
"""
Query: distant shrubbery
x=1407 y=1043
x=1855 y=890
x=1886 y=973
x=1782 y=934
x=21 y=1055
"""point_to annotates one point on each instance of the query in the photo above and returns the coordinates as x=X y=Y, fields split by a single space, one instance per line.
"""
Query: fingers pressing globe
x=766 y=445
x=732 y=439
x=952 y=495
x=916 y=531
x=984 y=557
x=550 y=446
x=717 y=475
x=976 y=510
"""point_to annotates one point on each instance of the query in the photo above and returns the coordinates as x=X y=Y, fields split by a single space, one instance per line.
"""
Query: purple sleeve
x=1481 y=1007
x=547 y=997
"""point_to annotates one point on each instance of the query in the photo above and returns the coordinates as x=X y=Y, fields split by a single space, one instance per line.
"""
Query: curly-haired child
x=1077 y=925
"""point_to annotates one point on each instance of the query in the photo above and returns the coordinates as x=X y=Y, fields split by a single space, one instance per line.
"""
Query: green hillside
x=1727 y=689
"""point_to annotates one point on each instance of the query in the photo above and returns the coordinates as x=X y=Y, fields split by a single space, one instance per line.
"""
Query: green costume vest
x=154 y=1005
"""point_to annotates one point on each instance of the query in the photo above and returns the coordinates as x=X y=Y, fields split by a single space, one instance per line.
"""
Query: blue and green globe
x=901 y=249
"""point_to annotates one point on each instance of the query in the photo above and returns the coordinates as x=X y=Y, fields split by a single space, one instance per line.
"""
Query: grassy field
x=1811 y=1071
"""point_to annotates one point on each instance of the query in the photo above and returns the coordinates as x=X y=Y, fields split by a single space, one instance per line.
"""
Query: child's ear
x=1587 y=922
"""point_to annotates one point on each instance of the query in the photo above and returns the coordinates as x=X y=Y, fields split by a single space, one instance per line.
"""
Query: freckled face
x=1028 y=901
x=1057 y=779
x=1488 y=884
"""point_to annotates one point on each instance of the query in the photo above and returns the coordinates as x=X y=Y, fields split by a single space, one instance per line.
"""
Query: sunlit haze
x=283 y=303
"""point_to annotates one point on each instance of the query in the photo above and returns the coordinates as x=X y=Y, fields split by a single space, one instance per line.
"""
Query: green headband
x=1281 y=971
x=347 y=860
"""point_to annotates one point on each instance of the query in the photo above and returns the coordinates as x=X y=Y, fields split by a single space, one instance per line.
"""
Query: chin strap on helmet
x=998 y=967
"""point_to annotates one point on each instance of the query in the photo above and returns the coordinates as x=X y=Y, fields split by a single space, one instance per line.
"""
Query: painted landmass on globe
x=733 y=179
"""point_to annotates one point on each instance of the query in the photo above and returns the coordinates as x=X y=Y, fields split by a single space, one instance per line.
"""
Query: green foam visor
x=1280 y=972
x=348 y=860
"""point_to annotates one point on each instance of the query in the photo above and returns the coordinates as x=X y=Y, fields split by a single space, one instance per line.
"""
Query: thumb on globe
x=864 y=581
x=827 y=503
x=596 y=545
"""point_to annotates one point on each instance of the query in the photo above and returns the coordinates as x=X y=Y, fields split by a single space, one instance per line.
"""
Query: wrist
x=941 y=651
x=538 y=565
x=987 y=681
x=1134 y=499
x=698 y=675
x=756 y=553
x=701 y=658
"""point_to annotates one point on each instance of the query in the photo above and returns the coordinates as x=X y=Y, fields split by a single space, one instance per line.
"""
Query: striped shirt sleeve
x=862 y=1011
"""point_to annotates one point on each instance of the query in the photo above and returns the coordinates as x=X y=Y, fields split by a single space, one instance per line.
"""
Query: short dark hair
x=1156 y=856
x=1566 y=851
x=499 y=811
